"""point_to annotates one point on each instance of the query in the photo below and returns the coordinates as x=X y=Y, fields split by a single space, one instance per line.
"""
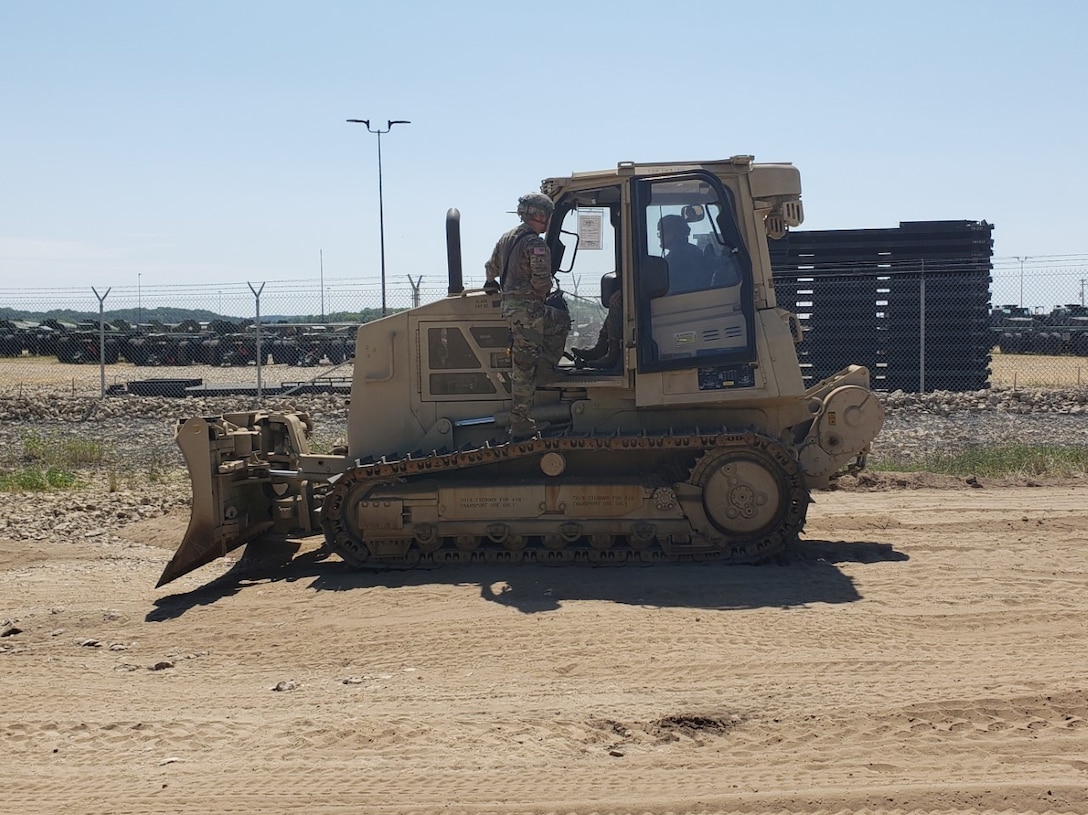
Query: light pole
x=381 y=206
x=139 y=302
x=1022 y=259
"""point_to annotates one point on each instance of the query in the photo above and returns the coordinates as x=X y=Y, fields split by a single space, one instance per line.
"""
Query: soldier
x=688 y=268
x=522 y=266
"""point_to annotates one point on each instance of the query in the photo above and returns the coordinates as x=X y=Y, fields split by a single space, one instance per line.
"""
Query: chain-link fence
x=920 y=328
x=273 y=336
x=955 y=325
x=1040 y=320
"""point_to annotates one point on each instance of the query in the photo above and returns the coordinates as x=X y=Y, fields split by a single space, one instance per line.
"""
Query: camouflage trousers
x=539 y=336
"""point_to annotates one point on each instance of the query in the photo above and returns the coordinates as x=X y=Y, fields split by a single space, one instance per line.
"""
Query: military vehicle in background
x=1062 y=330
x=19 y=337
x=83 y=344
x=310 y=344
x=165 y=345
x=702 y=443
x=218 y=342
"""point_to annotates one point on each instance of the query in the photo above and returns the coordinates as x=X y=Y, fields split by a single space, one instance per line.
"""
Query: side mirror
x=693 y=213
x=559 y=249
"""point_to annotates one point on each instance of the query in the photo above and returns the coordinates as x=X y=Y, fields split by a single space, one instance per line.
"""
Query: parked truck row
x=217 y=342
x=1062 y=330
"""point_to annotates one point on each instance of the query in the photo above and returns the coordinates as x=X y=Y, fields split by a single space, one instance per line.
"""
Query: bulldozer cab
x=672 y=244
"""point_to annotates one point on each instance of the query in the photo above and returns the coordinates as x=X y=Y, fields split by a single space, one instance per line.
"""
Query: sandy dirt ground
x=89 y=380
x=922 y=650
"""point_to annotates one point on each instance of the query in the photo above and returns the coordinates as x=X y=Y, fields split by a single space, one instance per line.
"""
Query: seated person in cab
x=606 y=353
x=689 y=269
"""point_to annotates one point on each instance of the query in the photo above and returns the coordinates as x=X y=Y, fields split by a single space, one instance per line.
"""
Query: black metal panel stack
x=912 y=303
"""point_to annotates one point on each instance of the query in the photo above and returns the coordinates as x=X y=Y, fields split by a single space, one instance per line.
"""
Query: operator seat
x=610 y=284
x=655 y=276
x=725 y=267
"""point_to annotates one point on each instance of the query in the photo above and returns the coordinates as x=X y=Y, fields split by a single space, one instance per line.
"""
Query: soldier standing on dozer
x=521 y=266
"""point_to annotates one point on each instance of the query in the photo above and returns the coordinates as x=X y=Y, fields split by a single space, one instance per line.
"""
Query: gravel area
x=140 y=429
x=917 y=425
x=143 y=475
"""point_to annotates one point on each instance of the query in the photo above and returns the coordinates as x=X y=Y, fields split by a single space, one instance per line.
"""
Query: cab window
x=586 y=254
x=694 y=275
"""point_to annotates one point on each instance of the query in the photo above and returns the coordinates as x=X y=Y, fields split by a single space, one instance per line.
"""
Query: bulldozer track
x=743 y=494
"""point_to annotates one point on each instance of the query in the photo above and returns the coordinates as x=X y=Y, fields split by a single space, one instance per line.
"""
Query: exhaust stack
x=453 y=251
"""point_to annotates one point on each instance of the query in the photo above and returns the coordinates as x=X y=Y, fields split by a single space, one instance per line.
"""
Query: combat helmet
x=673 y=223
x=535 y=202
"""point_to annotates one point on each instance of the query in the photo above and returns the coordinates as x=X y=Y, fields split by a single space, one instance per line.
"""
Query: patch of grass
x=37 y=479
x=49 y=463
x=153 y=469
x=156 y=467
x=1024 y=460
x=83 y=452
x=70 y=452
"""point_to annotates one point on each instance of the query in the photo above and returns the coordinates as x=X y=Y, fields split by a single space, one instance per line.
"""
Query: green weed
x=37 y=479
x=70 y=452
x=1023 y=460
x=49 y=463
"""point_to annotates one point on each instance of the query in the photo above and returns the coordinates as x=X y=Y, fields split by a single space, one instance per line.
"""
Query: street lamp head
x=378 y=130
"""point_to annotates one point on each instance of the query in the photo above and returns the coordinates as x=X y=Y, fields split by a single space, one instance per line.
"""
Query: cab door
x=693 y=279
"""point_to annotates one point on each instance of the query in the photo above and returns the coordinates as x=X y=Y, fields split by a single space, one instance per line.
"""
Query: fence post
x=101 y=340
x=257 y=296
x=922 y=330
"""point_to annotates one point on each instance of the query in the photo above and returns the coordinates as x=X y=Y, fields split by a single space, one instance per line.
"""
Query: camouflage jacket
x=528 y=270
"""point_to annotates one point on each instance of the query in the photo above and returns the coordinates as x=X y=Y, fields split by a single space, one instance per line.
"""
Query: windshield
x=687 y=225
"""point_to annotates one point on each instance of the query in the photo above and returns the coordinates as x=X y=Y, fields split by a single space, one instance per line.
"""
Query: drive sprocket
x=753 y=498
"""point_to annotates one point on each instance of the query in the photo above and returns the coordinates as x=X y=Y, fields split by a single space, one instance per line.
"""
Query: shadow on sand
x=806 y=573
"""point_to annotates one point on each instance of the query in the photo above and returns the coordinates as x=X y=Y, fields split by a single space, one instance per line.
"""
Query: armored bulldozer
x=698 y=441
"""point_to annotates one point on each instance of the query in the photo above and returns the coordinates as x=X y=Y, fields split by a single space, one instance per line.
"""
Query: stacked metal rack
x=911 y=303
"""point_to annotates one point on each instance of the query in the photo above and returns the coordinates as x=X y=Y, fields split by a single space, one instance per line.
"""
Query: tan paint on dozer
x=702 y=444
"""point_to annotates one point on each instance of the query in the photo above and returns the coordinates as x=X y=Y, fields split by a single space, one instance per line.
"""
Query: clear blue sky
x=206 y=141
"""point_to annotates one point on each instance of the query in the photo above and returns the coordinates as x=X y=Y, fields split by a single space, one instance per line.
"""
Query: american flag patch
x=539 y=250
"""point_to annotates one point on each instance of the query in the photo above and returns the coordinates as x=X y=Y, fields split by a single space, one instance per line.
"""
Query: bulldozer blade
x=230 y=497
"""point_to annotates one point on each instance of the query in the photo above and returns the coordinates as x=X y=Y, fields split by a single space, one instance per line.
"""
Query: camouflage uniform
x=539 y=331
